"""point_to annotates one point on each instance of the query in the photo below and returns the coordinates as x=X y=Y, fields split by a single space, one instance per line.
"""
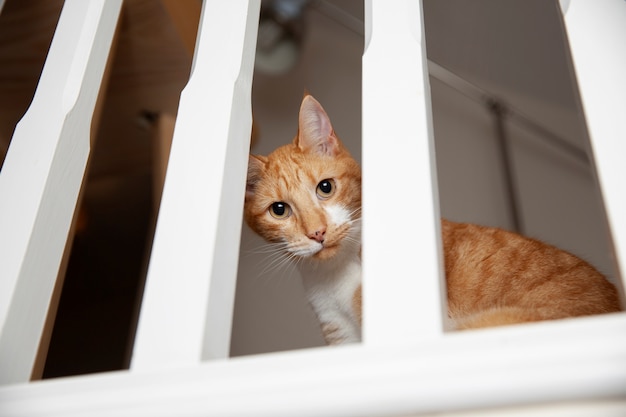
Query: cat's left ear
x=256 y=166
x=315 y=133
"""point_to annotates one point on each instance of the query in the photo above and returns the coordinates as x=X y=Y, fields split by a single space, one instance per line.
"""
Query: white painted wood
x=596 y=32
x=42 y=176
x=403 y=286
x=187 y=307
x=574 y=360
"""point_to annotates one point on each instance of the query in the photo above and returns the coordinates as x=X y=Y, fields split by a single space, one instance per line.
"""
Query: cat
x=305 y=197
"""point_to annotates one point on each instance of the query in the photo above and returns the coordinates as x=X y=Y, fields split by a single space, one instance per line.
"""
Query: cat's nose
x=318 y=234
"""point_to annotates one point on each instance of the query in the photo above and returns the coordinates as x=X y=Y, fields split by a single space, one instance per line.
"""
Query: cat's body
x=495 y=277
x=306 y=198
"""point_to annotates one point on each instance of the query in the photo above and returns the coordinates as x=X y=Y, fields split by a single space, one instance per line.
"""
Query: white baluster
x=187 y=306
x=42 y=175
x=596 y=32
x=403 y=289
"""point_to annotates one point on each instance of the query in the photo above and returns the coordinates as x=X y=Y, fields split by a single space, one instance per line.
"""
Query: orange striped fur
x=305 y=198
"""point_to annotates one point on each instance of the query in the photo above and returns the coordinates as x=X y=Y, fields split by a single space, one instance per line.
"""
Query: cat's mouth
x=326 y=251
x=318 y=251
x=329 y=248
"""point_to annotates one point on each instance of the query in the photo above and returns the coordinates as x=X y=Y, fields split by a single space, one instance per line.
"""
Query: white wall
x=515 y=51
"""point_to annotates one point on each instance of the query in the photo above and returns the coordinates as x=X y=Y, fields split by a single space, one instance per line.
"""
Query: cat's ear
x=315 y=133
x=256 y=166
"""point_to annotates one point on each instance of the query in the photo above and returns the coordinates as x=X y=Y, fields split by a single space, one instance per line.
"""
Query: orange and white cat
x=305 y=197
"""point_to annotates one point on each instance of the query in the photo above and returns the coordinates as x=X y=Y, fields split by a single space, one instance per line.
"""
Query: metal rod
x=480 y=95
x=499 y=113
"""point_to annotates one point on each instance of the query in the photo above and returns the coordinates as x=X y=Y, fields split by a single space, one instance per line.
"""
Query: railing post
x=42 y=176
x=596 y=31
x=403 y=286
x=187 y=306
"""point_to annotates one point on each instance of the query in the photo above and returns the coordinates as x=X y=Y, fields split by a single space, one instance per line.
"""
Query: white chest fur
x=330 y=288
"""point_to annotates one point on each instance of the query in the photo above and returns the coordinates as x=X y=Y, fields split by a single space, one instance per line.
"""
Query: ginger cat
x=305 y=197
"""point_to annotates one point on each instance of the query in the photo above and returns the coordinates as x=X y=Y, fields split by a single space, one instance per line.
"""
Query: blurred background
x=512 y=149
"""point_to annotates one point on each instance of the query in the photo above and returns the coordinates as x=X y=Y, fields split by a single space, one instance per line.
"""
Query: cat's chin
x=327 y=252
x=317 y=253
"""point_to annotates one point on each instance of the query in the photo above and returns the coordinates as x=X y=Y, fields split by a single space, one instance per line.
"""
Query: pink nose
x=318 y=235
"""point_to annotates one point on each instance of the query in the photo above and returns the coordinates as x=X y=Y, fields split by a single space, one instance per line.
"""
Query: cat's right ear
x=256 y=166
x=315 y=133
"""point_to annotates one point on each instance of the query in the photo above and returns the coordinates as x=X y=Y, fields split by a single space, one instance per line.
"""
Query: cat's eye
x=280 y=210
x=325 y=188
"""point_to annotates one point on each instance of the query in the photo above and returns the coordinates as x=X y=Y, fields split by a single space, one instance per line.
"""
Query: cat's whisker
x=354 y=220
x=352 y=239
x=273 y=245
x=279 y=262
x=352 y=242
x=354 y=212
x=267 y=248
x=275 y=262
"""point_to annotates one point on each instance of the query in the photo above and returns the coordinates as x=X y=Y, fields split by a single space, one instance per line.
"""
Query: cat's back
x=489 y=268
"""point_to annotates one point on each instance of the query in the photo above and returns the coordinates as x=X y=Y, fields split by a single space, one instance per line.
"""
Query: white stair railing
x=193 y=266
x=406 y=365
x=42 y=176
x=596 y=31
x=396 y=115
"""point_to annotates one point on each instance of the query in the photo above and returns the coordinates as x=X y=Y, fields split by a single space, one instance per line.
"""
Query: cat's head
x=306 y=196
